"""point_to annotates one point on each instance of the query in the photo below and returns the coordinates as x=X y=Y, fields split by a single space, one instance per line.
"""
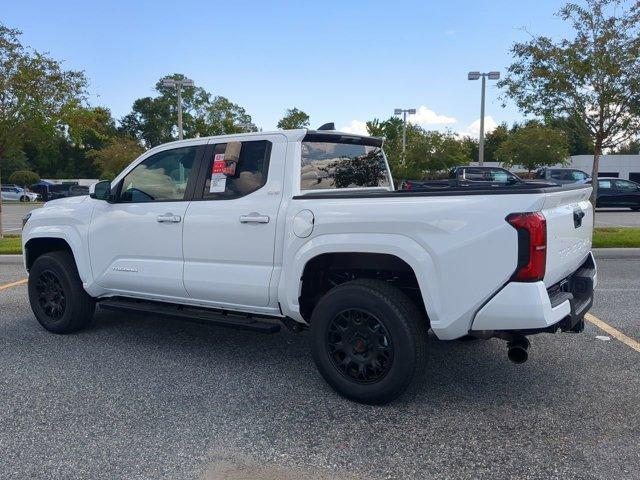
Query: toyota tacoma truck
x=304 y=228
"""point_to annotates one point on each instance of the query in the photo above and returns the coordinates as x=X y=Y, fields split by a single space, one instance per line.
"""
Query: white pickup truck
x=305 y=228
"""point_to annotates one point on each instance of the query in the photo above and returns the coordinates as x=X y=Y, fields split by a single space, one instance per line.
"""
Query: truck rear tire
x=368 y=340
x=56 y=295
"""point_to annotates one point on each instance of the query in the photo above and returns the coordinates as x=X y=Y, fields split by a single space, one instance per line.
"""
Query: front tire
x=56 y=295
x=24 y=198
x=368 y=340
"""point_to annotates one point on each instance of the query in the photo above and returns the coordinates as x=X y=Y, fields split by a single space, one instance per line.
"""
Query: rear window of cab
x=328 y=165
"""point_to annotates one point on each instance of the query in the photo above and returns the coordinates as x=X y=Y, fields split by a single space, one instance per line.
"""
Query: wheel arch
x=44 y=242
x=388 y=251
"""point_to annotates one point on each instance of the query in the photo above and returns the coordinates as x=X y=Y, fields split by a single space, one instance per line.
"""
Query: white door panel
x=229 y=243
x=132 y=251
x=135 y=244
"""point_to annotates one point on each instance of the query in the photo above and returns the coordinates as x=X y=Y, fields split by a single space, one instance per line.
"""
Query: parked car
x=13 y=192
x=53 y=192
x=615 y=192
x=304 y=228
x=563 y=176
x=468 y=177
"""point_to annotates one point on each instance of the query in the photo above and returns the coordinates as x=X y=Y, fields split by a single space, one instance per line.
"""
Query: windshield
x=332 y=165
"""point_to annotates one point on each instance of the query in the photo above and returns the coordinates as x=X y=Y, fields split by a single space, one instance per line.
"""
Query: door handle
x=168 y=218
x=254 y=217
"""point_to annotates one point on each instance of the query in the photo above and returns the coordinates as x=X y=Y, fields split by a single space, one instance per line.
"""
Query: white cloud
x=449 y=32
x=425 y=117
x=356 y=127
x=473 y=130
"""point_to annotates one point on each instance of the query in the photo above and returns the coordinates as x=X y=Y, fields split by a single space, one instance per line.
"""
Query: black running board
x=183 y=312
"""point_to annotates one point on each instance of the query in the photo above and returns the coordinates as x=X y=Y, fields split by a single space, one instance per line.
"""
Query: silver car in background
x=18 y=194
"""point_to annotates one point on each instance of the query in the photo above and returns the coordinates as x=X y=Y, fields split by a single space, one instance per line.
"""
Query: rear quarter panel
x=460 y=247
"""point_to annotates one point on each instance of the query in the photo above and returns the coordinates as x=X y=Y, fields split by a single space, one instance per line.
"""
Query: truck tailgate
x=569 y=216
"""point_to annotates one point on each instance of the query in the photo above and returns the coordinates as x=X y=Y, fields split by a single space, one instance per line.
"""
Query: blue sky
x=342 y=61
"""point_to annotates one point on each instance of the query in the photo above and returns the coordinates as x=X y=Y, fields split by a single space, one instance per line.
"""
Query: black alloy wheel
x=359 y=346
x=51 y=297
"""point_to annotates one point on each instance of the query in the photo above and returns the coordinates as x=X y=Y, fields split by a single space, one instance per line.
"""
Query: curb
x=615 y=253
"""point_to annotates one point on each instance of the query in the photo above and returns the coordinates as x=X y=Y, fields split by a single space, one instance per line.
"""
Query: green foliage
x=492 y=142
x=153 y=119
x=631 y=148
x=37 y=94
x=592 y=75
x=293 y=119
x=580 y=143
x=429 y=154
x=435 y=153
x=24 y=178
x=533 y=146
x=114 y=157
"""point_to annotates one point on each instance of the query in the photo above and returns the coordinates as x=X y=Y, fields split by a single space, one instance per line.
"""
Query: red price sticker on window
x=218 y=164
x=218 y=178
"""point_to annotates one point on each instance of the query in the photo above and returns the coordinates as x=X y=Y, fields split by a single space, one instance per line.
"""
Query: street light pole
x=178 y=85
x=476 y=76
x=404 y=111
x=180 y=134
x=481 y=146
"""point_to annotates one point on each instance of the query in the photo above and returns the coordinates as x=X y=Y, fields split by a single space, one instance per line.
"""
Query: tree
x=113 y=158
x=391 y=131
x=435 y=153
x=493 y=140
x=24 y=178
x=533 y=146
x=35 y=94
x=631 y=148
x=593 y=75
x=580 y=143
x=153 y=119
x=293 y=119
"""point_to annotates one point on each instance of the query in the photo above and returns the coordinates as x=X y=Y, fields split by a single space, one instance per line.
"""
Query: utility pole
x=178 y=85
x=476 y=76
x=404 y=111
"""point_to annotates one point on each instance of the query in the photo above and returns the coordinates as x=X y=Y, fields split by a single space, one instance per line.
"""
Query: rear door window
x=236 y=169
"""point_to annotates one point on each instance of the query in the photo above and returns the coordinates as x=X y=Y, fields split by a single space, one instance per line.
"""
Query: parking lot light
x=475 y=76
x=404 y=111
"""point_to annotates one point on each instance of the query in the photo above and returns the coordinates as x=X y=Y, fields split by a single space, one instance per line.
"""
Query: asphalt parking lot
x=12 y=214
x=617 y=217
x=142 y=398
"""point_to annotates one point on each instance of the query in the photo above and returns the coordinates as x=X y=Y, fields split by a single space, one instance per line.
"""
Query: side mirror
x=101 y=190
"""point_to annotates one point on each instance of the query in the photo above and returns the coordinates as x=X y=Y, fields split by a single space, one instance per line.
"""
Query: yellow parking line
x=613 y=332
x=13 y=284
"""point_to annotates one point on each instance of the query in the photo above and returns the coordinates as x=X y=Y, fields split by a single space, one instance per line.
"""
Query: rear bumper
x=529 y=308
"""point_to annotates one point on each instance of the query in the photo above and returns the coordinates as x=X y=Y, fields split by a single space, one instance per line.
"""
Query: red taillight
x=532 y=245
x=408 y=186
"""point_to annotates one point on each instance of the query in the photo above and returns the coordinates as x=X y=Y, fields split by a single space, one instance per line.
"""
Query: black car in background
x=615 y=192
x=53 y=192
x=467 y=177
